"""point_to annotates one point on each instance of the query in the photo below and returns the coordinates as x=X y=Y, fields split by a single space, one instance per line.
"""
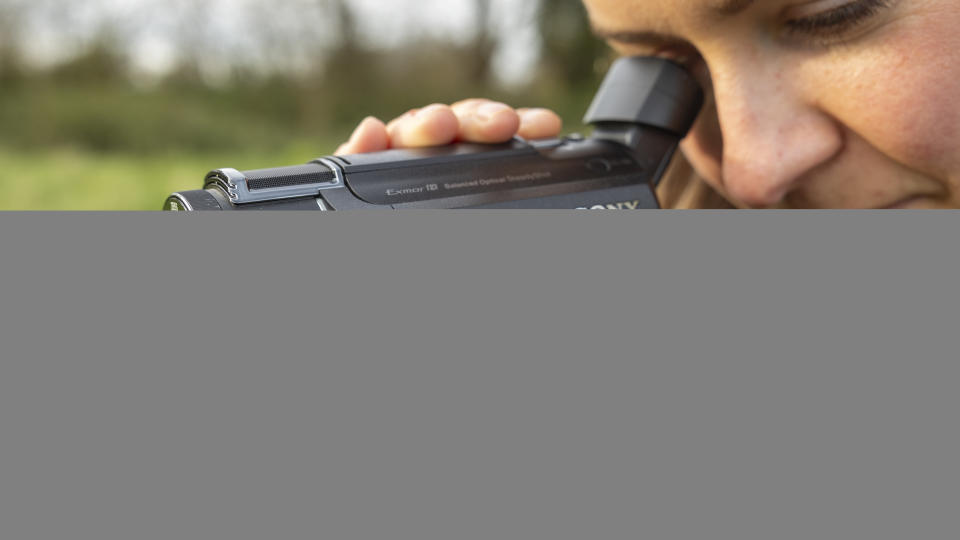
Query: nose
x=774 y=134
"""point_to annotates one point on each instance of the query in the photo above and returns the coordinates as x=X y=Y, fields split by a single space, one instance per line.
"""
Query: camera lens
x=191 y=201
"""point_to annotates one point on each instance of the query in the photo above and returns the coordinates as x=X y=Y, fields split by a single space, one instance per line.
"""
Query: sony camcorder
x=642 y=111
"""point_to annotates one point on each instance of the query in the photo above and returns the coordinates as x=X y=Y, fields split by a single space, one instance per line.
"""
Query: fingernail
x=487 y=111
x=529 y=113
x=359 y=129
x=369 y=123
x=429 y=109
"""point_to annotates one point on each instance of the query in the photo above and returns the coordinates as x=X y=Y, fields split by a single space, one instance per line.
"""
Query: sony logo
x=627 y=205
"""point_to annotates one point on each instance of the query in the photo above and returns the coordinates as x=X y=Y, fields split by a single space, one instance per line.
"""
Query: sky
x=150 y=25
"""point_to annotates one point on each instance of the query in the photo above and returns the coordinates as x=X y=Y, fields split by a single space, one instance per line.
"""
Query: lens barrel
x=193 y=201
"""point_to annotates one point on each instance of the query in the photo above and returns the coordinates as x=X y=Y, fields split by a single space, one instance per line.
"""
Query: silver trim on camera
x=234 y=184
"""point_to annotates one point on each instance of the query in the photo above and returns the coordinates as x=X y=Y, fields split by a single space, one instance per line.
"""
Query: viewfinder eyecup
x=647 y=91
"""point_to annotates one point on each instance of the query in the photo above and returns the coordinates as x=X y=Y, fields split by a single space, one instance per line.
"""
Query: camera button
x=599 y=165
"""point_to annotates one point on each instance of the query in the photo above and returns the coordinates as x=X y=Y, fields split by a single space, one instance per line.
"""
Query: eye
x=685 y=55
x=836 y=23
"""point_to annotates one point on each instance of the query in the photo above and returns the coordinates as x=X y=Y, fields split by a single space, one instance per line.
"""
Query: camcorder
x=643 y=109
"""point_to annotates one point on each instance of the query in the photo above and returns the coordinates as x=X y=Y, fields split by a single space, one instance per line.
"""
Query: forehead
x=658 y=15
x=625 y=12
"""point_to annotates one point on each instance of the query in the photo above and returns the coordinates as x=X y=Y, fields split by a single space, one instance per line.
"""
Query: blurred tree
x=192 y=18
x=571 y=55
x=280 y=70
x=11 y=64
x=347 y=77
x=480 y=53
x=102 y=62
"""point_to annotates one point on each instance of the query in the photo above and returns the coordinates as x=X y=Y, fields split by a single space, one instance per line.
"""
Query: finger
x=434 y=125
x=539 y=124
x=370 y=136
x=485 y=121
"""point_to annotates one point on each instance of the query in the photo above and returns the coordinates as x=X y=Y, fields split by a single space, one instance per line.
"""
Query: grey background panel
x=479 y=375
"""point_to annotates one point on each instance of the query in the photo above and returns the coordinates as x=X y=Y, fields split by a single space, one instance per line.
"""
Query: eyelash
x=823 y=29
x=837 y=21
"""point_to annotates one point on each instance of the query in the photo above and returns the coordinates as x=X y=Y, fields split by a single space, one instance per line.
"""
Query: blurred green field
x=72 y=179
x=92 y=131
x=106 y=146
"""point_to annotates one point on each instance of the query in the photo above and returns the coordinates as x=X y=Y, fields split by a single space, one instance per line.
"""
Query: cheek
x=703 y=147
x=902 y=97
x=915 y=119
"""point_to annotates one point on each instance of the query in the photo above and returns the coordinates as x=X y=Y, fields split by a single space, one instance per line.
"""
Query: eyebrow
x=726 y=8
x=631 y=37
x=732 y=7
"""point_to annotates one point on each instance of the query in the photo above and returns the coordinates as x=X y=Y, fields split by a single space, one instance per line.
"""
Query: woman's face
x=814 y=103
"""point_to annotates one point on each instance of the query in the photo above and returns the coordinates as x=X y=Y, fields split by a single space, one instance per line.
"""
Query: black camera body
x=642 y=111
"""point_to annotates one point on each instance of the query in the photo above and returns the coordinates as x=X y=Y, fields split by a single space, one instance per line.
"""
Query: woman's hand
x=472 y=120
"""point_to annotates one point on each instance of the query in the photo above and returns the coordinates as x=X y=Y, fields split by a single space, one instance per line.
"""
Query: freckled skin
x=868 y=122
